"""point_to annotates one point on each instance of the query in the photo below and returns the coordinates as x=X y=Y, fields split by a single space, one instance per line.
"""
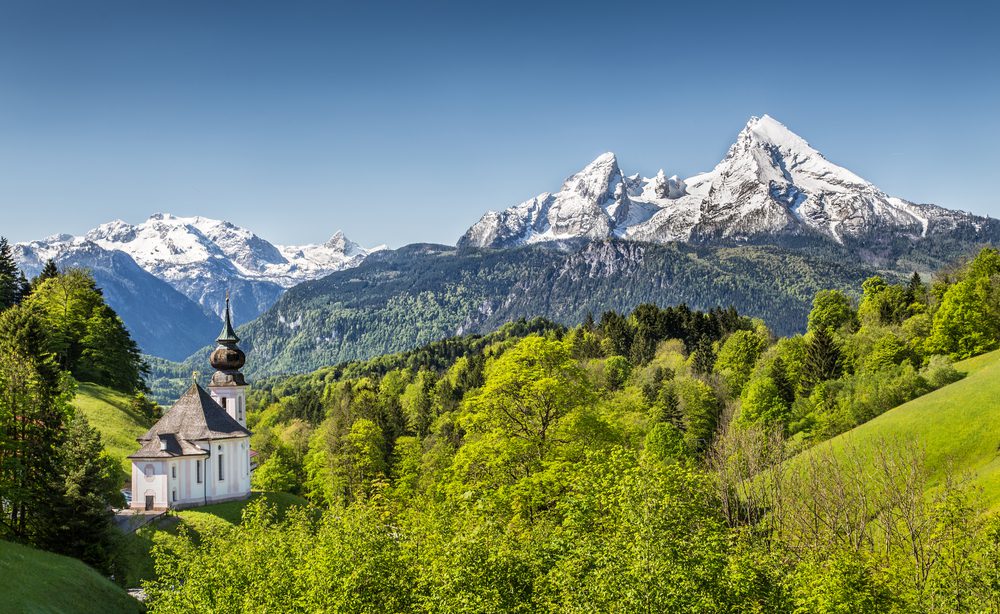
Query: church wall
x=235 y=459
x=155 y=483
x=232 y=399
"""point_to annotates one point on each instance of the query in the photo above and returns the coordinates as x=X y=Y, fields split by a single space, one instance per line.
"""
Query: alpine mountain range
x=743 y=234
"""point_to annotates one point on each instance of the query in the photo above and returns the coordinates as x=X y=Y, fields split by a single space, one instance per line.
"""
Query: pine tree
x=78 y=523
x=49 y=271
x=10 y=290
x=23 y=287
x=34 y=405
x=779 y=375
x=703 y=358
x=915 y=291
x=822 y=361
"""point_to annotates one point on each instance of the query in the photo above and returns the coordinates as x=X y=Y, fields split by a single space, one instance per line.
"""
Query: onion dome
x=227 y=359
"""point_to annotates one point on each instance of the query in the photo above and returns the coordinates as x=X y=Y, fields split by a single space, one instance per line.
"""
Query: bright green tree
x=832 y=309
x=737 y=358
x=967 y=323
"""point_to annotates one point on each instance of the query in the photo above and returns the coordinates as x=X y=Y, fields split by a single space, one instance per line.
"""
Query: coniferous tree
x=10 y=289
x=822 y=360
x=34 y=406
x=915 y=289
x=78 y=521
x=703 y=358
x=49 y=271
x=23 y=287
x=778 y=373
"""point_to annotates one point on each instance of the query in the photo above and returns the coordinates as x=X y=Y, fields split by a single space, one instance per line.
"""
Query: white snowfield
x=771 y=182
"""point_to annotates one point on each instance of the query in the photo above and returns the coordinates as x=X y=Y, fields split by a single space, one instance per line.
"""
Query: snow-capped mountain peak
x=203 y=257
x=770 y=184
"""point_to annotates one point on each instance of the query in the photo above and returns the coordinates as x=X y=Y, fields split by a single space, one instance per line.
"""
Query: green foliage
x=822 y=359
x=968 y=321
x=85 y=335
x=737 y=358
x=34 y=409
x=832 y=309
x=763 y=403
x=11 y=288
x=616 y=371
x=597 y=469
x=77 y=521
x=419 y=294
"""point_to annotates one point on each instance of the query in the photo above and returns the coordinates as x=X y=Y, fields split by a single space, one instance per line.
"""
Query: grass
x=198 y=520
x=33 y=581
x=108 y=411
x=957 y=425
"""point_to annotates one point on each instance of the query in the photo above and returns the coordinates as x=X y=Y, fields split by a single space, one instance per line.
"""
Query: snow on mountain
x=203 y=257
x=162 y=321
x=771 y=183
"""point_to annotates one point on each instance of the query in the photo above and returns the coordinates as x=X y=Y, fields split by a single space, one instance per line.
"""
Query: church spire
x=228 y=358
x=228 y=335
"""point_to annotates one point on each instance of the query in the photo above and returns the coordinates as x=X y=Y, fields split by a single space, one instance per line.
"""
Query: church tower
x=228 y=387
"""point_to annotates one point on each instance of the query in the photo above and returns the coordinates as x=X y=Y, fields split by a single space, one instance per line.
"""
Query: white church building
x=199 y=451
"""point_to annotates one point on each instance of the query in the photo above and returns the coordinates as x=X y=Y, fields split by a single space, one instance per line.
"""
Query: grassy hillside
x=108 y=411
x=958 y=425
x=36 y=581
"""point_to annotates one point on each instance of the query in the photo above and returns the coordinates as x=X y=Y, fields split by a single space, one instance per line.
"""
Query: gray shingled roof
x=194 y=417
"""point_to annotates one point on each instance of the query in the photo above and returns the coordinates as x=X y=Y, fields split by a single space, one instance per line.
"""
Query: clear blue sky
x=405 y=122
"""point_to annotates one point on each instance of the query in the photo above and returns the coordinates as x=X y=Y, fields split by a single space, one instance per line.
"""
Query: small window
x=173 y=495
x=222 y=474
x=148 y=471
x=173 y=471
x=197 y=470
x=223 y=399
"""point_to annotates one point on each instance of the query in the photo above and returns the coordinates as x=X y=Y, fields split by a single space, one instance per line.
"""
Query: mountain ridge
x=770 y=185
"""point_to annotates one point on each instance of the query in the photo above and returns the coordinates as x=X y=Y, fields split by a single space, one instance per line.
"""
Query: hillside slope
x=108 y=411
x=402 y=299
x=36 y=581
x=958 y=426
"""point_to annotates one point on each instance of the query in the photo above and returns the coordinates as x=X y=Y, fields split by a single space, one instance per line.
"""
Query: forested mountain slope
x=421 y=293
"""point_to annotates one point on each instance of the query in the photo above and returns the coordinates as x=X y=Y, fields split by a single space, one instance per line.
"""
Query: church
x=199 y=451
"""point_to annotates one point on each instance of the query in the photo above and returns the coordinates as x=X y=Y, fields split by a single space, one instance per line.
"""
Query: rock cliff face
x=771 y=185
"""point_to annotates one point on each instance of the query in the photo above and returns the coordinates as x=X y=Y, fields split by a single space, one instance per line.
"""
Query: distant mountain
x=162 y=321
x=771 y=187
x=202 y=258
x=400 y=299
x=167 y=277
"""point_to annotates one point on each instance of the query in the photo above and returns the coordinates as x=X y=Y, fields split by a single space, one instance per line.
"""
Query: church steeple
x=228 y=335
x=228 y=358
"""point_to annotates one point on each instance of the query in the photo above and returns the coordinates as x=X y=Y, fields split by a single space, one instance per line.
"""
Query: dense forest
x=641 y=461
x=403 y=299
x=57 y=483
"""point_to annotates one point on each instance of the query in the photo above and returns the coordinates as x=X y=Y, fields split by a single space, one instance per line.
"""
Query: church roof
x=194 y=417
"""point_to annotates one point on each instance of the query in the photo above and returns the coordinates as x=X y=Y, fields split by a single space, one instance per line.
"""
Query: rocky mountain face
x=197 y=259
x=771 y=186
